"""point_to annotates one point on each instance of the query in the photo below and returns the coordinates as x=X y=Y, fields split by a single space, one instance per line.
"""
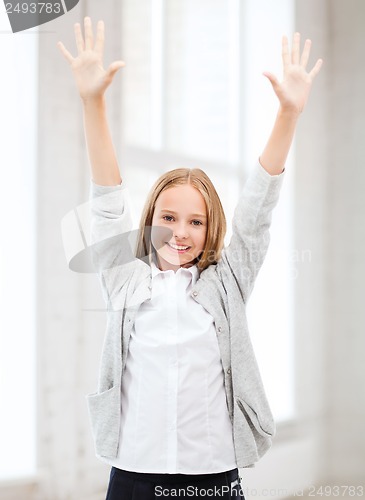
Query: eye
x=199 y=223
x=168 y=220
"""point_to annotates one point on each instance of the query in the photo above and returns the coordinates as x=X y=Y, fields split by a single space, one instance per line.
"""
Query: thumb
x=273 y=80
x=113 y=68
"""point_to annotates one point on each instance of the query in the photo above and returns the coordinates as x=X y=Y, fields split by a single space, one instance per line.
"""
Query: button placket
x=173 y=368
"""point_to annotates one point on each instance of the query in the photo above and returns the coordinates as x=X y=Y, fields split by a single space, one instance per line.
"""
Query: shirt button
x=229 y=371
x=219 y=328
x=195 y=294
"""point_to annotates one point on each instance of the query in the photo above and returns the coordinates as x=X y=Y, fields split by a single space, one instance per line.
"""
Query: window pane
x=136 y=79
x=270 y=308
x=197 y=88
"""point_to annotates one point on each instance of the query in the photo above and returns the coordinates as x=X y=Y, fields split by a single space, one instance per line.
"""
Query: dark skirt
x=126 y=485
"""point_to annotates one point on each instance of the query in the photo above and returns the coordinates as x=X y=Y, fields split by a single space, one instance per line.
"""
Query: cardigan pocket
x=265 y=428
x=104 y=413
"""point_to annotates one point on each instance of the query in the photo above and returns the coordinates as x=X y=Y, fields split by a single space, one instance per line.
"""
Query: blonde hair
x=216 y=220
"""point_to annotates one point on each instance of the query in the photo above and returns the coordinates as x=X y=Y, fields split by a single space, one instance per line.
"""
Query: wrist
x=94 y=101
x=289 y=113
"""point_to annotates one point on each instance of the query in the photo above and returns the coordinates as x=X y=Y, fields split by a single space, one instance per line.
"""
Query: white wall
x=346 y=244
x=331 y=204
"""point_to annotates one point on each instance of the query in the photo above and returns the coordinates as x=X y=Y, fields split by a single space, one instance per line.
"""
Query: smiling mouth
x=178 y=248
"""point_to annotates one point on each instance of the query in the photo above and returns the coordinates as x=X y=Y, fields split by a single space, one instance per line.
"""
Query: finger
x=285 y=51
x=89 y=38
x=316 y=68
x=65 y=52
x=295 y=49
x=305 y=54
x=273 y=80
x=99 y=44
x=79 y=39
x=113 y=68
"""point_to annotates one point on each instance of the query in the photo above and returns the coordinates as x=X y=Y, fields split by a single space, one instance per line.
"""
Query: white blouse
x=174 y=416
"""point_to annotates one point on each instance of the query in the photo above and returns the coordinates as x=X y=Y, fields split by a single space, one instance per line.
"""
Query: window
x=18 y=123
x=194 y=95
x=271 y=307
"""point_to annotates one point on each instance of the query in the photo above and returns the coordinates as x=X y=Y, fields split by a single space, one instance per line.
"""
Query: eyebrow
x=175 y=213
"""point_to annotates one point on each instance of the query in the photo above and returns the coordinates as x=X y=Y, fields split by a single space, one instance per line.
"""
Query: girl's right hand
x=91 y=78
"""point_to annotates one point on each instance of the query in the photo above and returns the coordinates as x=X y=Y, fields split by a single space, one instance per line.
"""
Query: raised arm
x=92 y=81
x=292 y=93
x=244 y=255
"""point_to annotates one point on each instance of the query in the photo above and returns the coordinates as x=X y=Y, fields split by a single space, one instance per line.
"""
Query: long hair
x=216 y=220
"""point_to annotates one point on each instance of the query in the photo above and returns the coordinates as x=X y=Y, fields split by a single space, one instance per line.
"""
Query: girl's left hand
x=294 y=90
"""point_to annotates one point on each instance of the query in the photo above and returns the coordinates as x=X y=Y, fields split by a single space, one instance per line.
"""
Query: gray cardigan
x=222 y=289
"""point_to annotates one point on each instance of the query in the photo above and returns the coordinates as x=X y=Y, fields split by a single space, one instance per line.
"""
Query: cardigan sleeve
x=113 y=237
x=99 y=236
x=244 y=255
x=111 y=226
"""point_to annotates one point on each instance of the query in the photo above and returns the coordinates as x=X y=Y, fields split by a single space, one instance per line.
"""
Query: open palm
x=90 y=76
x=293 y=90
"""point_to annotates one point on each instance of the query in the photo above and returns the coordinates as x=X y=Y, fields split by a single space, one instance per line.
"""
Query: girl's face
x=179 y=220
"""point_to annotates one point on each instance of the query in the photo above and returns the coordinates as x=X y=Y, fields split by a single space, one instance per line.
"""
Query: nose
x=181 y=231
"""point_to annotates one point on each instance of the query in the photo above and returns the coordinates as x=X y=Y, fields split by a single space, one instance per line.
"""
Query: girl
x=180 y=404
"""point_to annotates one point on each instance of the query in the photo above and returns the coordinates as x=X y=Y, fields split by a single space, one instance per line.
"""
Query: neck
x=167 y=266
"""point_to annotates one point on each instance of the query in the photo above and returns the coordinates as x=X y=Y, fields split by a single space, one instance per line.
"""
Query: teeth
x=177 y=247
